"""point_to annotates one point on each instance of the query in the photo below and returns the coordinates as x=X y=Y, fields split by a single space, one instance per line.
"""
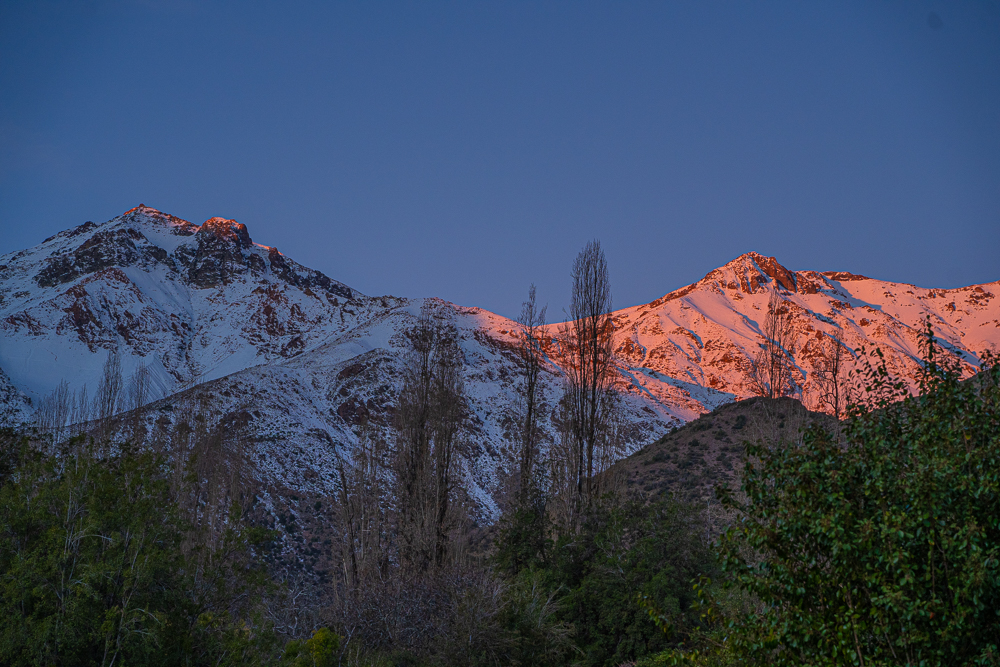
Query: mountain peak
x=142 y=216
x=217 y=228
x=751 y=270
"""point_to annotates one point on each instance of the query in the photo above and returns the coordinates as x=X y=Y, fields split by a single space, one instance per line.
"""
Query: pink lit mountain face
x=691 y=348
x=306 y=359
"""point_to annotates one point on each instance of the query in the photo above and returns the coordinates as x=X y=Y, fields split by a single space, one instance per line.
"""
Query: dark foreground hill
x=690 y=461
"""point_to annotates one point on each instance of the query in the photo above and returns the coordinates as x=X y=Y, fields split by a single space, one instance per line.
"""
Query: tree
x=136 y=397
x=621 y=552
x=588 y=401
x=80 y=409
x=530 y=321
x=522 y=526
x=770 y=373
x=831 y=375
x=109 y=392
x=320 y=650
x=429 y=419
x=92 y=570
x=886 y=551
x=54 y=411
x=362 y=501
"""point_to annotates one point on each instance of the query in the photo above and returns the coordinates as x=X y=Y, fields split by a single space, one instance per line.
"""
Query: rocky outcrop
x=772 y=269
x=103 y=250
x=181 y=297
x=297 y=275
x=221 y=255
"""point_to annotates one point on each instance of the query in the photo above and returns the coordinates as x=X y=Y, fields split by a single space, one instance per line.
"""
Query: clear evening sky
x=466 y=149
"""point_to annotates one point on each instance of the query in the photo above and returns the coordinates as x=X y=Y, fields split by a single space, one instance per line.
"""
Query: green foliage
x=707 y=643
x=886 y=550
x=624 y=551
x=92 y=570
x=320 y=650
x=521 y=541
x=530 y=618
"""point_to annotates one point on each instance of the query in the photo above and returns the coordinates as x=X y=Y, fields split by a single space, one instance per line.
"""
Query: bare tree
x=362 y=509
x=770 y=373
x=530 y=321
x=138 y=388
x=429 y=419
x=109 y=392
x=831 y=374
x=54 y=411
x=448 y=416
x=588 y=400
x=81 y=409
x=210 y=478
x=564 y=459
x=137 y=395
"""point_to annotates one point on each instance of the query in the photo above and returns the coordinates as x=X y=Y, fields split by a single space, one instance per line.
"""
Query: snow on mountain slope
x=193 y=303
x=690 y=349
x=14 y=406
x=302 y=360
x=301 y=411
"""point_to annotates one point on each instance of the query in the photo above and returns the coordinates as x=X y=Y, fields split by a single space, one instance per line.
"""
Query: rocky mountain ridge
x=691 y=348
x=301 y=360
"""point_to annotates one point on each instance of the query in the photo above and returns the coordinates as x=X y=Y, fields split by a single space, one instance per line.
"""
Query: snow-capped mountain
x=193 y=303
x=690 y=349
x=303 y=359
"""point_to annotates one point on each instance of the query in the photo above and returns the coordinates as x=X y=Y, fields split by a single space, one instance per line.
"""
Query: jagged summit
x=213 y=254
x=145 y=216
x=187 y=300
x=749 y=273
x=752 y=270
x=693 y=346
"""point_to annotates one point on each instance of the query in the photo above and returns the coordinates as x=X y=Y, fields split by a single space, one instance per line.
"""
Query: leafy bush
x=320 y=650
x=623 y=551
x=885 y=550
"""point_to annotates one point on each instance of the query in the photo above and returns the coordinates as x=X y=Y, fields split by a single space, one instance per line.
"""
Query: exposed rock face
x=148 y=283
x=222 y=254
x=770 y=267
x=103 y=250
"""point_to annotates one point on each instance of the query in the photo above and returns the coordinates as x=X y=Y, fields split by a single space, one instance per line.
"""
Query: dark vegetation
x=100 y=565
x=761 y=533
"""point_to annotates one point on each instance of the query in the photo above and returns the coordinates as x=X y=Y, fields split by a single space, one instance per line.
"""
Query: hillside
x=690 y=461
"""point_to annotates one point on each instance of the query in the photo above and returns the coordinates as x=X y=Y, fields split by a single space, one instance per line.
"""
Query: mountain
x=690 y=349
x=242 y=334
x=191 y=302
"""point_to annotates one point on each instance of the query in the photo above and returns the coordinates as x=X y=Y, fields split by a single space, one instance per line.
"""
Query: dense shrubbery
x=95 y=568
x=594 y=576
x=625 y=551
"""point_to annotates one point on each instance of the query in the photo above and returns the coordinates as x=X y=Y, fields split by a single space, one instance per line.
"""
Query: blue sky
x=465 y=150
